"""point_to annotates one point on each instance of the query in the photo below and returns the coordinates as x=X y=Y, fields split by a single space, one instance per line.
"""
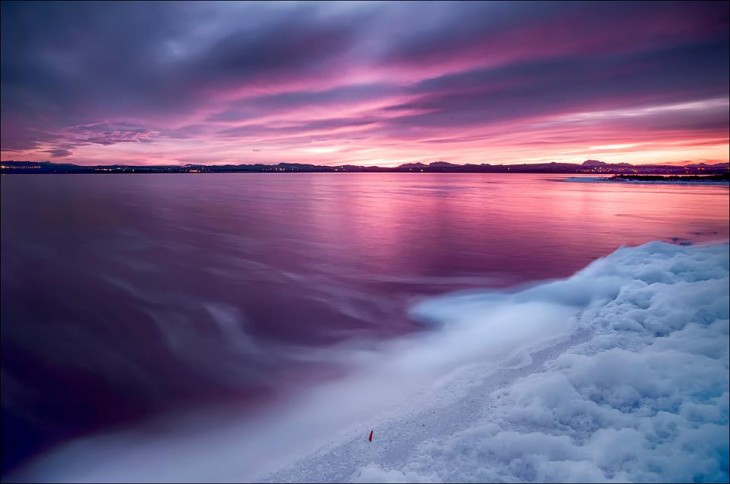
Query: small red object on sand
x=370 y=439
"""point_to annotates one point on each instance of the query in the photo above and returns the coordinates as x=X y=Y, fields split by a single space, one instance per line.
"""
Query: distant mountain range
x=587 y=167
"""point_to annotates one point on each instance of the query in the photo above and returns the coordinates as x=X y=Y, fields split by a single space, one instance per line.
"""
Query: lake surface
x=128 y=296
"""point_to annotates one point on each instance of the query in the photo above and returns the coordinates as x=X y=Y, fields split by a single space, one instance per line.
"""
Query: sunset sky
x=365 y=82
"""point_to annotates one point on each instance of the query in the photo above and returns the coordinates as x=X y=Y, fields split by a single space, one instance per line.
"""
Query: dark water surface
x=124 y=296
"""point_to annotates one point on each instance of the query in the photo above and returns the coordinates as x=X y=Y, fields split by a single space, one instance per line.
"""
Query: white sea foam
x=619 y=373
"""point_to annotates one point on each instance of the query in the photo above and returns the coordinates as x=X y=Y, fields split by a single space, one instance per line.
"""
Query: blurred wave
x=596 y=377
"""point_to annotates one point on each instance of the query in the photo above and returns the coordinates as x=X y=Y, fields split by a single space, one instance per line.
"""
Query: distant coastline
x=723 y=177
x=705 y=179
x=588 y=167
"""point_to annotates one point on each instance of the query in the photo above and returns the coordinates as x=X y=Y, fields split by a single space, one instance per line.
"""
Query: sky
x=367 y=83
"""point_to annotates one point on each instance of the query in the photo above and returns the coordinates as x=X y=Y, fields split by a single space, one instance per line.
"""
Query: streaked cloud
x=364 y=82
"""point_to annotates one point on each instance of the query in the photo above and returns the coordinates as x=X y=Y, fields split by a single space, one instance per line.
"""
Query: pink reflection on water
x=211 y=287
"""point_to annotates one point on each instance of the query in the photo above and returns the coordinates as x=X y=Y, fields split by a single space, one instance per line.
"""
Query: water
x=127 y=296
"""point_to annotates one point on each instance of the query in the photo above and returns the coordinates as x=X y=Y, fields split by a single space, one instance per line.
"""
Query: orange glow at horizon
x=536 y=141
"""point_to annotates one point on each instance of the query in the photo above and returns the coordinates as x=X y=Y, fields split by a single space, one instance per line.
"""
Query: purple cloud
x=85 y=77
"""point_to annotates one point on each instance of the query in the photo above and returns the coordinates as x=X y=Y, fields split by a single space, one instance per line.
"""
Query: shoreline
x=724 y=177
x=713 y=180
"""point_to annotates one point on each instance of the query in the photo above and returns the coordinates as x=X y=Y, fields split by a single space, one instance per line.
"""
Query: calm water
x=124 y=296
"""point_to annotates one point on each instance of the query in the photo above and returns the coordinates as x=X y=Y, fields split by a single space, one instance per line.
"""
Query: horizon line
x=418 y=163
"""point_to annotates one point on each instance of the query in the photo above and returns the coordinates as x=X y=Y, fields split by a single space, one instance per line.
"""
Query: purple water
x=128 y=296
